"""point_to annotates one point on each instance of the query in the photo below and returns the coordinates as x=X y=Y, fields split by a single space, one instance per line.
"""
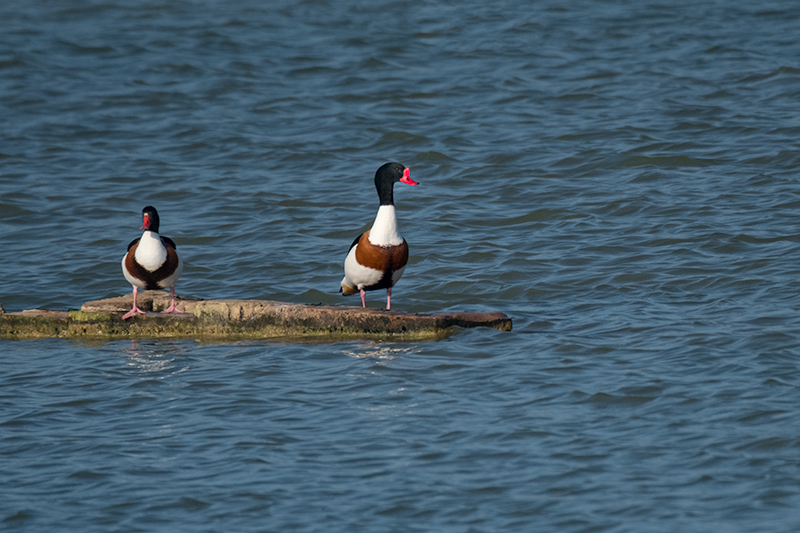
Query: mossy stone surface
x=237 y=319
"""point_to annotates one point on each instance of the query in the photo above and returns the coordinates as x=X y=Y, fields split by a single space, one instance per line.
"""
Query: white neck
x=384 y=230
x=150 y=253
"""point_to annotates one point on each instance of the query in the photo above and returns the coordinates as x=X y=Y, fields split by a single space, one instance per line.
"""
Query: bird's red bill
x=407 y=177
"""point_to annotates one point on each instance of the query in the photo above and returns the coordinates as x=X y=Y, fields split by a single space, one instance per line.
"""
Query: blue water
x=618 y=177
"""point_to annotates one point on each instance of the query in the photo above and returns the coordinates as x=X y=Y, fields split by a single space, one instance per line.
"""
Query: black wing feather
x=170 y=242
x=355 y=242
x=134 y=241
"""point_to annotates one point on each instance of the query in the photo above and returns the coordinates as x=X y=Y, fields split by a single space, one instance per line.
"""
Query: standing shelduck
x=377 y=257
x=151 y=262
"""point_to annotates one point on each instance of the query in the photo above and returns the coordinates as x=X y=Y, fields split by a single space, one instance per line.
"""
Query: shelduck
x=151 y=262
x=377 y=257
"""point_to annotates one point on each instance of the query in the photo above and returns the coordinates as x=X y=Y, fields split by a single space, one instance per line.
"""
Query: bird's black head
x=150 y=219
x=387 y=176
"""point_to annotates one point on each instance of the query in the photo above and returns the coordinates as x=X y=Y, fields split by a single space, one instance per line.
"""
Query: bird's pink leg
x=171 y=308
x=134 y=310
x=388 y=298
x=363 y=301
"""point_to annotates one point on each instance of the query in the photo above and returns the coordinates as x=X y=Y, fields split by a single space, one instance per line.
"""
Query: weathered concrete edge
x=239 y=320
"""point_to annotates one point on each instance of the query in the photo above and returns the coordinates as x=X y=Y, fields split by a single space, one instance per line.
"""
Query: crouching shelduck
x=378 y=257
x=151 y=262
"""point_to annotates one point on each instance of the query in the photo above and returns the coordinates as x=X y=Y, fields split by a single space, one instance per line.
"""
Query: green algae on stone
x=238 y=319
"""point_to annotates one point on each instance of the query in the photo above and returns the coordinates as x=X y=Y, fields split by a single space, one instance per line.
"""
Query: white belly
x=150 y=253
x=357 y=275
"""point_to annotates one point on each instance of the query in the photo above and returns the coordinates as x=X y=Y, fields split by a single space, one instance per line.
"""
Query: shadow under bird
x=377 y=257
x=151 y=262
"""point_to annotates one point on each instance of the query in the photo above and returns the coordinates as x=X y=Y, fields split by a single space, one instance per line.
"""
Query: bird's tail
x=347 y=290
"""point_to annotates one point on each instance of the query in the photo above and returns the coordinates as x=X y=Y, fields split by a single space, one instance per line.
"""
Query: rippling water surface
x=619 y=177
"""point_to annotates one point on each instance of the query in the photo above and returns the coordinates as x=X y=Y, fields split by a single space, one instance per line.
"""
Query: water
x=618 y=177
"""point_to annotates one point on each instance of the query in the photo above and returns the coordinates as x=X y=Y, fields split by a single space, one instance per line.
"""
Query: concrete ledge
x=237 y=319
